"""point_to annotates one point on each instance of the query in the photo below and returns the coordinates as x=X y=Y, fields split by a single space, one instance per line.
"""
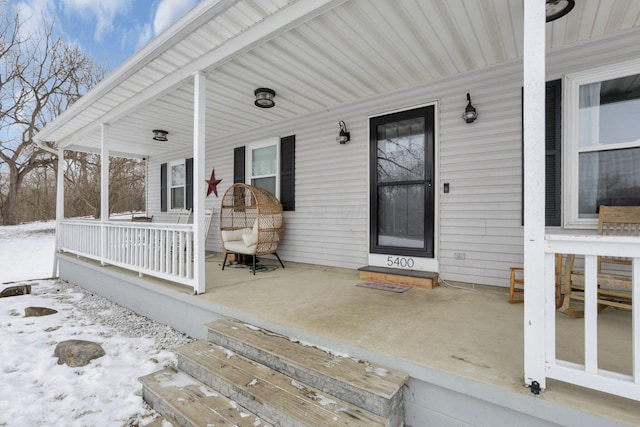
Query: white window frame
x=249 y=160
x=170 y=185
x=570 y=117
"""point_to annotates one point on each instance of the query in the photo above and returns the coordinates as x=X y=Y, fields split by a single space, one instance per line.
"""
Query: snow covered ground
x=35 y=390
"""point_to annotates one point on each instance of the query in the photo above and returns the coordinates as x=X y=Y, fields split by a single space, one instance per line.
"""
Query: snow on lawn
x=38 y=391
x=26 y=251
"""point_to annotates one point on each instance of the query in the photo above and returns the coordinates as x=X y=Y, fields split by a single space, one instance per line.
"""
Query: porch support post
x=534 y=180
x=104 y=190
x=199 y=122
x=59 y=208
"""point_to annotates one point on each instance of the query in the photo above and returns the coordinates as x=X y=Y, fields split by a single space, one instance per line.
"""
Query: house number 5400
x=400 y=261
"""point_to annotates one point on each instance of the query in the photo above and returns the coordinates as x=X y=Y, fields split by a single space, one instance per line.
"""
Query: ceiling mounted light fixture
x=264 y=97
x=160 y=135
x=558 y=8
x=470 y=115
x=345 y=135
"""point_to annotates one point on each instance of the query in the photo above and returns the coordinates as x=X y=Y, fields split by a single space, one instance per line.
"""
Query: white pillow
x=250 y=239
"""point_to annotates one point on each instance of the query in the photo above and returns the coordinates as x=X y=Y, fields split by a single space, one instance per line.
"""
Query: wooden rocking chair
x=251 y=222
x=614 y=288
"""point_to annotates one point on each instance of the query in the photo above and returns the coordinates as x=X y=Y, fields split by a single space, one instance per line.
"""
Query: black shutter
x=238 y=165
x=287 y=172
x=188 y=166
x=163 y=187
x=553 y=157
x=553 y=151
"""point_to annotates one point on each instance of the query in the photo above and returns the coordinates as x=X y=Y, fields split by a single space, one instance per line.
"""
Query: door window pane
x=401 y=216
x=401 y=151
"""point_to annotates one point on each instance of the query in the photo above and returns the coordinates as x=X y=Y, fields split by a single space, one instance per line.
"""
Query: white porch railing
x=160 y=250
x=590 y=375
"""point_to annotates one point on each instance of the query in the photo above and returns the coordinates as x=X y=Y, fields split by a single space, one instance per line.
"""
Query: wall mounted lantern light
x=160 y=135
x=344 y=136
x=470 y=115
x=264 y=97
x=558 y=8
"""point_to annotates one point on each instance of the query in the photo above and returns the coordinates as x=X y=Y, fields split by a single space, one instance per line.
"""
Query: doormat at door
x=390 y=287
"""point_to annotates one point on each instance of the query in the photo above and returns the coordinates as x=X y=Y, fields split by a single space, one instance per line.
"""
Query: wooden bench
x=614 y=287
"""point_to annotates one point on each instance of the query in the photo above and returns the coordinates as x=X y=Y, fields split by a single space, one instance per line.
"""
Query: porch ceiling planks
x=315 y=55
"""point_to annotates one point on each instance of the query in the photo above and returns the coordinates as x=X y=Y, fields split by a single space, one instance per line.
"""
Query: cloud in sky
x=104 y=13
x=168 y=11
x=109 y=30
x=32 y=15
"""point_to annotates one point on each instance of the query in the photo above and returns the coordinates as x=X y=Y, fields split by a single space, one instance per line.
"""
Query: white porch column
x=534 y=178
x=59 y=208
x=104 y=189
x=199 y=121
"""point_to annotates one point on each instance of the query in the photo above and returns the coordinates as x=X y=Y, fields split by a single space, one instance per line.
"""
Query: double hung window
x=603 y=159
x=177 y=184
x=263 y=166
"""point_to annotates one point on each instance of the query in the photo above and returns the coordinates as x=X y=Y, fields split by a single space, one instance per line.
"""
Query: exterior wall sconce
x=160 y=135
x=558 y=8
x=264 y=97
x=344 y=136
x=470 y=115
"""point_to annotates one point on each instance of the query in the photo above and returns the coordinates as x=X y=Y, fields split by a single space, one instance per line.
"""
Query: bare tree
x=82 y=185
x=40 y=76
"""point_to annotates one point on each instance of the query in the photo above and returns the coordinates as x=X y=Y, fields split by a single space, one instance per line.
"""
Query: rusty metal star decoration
x=213 y=183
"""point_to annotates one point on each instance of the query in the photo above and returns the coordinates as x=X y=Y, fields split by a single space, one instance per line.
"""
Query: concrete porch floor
x=458 y=336
x=469 y=331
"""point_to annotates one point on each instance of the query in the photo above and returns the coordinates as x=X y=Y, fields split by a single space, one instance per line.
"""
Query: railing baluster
x=591 y=313
x=635 y=319
x=162 y=250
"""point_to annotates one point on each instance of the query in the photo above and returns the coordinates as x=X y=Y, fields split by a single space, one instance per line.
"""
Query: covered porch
x=335 y=62
x=459 y=339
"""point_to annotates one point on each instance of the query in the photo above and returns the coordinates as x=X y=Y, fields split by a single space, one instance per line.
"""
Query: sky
x=110 y=31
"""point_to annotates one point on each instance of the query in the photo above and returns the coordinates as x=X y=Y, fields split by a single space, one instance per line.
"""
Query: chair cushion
x=250 y=239
x=238 y=247
x=231 y=235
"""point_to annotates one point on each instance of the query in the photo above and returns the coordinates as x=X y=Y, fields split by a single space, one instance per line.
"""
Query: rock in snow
x=76 y=353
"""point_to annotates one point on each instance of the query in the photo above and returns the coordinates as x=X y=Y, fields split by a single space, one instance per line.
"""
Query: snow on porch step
x=368 y=386
x=178 y=396
x=266 y=392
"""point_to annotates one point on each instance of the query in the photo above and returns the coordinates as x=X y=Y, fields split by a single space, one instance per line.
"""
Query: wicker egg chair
x=251 y=222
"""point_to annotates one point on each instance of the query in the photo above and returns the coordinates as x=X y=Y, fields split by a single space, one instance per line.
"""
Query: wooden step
x=191 y=403
x=415 y=278
x=268 y=393
x=366 y=385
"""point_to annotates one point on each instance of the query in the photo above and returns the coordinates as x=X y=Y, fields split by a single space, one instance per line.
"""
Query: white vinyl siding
x=480 y=216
